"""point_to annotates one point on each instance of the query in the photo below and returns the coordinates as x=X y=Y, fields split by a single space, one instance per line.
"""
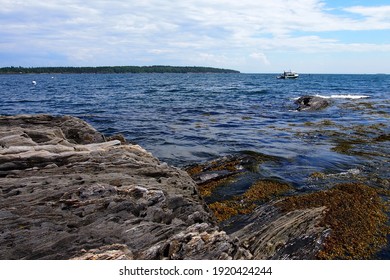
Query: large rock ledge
x=67 y=192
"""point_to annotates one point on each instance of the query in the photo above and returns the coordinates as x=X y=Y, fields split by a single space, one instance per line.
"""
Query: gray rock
x=66 y=193
x=270 y=234
x=47 y=128
x=311 y=103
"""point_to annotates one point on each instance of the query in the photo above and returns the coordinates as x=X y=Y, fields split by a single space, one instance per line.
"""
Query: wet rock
x=311 y=103
x=212 y=174
x=270 y=234
x=253 y=219
x=351 y=208
x=319 y=225
x=259 y=192
x=272 y=221
x=67 y=193
x=216 y=169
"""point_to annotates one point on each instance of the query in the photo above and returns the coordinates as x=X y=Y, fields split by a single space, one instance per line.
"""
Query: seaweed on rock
x=356 y=216
x=260 y=191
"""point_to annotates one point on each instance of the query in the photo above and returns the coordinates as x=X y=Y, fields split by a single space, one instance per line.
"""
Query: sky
x=251 y=36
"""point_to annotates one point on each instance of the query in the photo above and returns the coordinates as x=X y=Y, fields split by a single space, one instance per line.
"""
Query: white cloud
x=226 y=32
x=374 y=18
x=211 y=59
x=380 y=12
x=160 y=51
x=261 y=57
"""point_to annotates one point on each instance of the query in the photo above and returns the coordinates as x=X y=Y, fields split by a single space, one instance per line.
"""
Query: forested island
x=113 y=69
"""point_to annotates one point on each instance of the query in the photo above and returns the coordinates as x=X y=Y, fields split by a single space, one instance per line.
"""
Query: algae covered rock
x=355 y=215
x=274 y=221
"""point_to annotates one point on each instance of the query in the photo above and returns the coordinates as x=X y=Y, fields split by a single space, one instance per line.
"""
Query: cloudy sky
x=252 y=36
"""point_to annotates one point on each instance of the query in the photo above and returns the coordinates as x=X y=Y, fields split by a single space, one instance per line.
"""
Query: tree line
x=113 y=70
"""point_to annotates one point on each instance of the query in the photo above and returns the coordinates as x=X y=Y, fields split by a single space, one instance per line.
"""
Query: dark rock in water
x=210 y=174
x=66 y=193
x=259 y=192
x=311 y=103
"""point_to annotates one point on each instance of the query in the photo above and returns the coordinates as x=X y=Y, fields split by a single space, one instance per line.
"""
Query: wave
x=339 y=96
x=344 y=96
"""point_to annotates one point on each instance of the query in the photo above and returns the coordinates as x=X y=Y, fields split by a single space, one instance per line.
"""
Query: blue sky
x=307 y=36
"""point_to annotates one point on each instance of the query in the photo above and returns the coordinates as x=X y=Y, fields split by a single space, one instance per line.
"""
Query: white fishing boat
x=288 y=75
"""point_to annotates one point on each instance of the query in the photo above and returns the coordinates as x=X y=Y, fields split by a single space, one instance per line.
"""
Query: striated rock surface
x=271 y=234
x=67 y=193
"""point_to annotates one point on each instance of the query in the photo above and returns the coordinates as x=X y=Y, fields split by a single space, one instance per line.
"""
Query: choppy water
x=189 y=118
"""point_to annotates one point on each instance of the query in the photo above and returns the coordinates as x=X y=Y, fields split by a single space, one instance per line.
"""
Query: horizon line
x=188 y=66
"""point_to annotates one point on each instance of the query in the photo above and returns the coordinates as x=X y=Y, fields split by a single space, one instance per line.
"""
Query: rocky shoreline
x=69 y=192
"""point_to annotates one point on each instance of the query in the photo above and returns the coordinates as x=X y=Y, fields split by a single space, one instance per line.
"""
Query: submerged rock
x=66 y=193
x=311 y=103
x=259 y=191
x=214 y=173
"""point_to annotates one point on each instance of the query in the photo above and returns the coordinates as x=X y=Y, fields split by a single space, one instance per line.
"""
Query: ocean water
x=191 y=118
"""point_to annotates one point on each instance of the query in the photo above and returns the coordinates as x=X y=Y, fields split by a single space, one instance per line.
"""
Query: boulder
x=311 y=103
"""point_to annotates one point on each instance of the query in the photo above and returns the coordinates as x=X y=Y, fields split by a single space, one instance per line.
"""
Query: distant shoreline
x=113 y=70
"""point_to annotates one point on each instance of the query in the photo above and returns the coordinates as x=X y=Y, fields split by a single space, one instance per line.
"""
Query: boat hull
x=288 y=75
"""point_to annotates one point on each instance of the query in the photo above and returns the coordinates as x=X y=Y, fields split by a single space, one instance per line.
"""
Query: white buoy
x=34 y=83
